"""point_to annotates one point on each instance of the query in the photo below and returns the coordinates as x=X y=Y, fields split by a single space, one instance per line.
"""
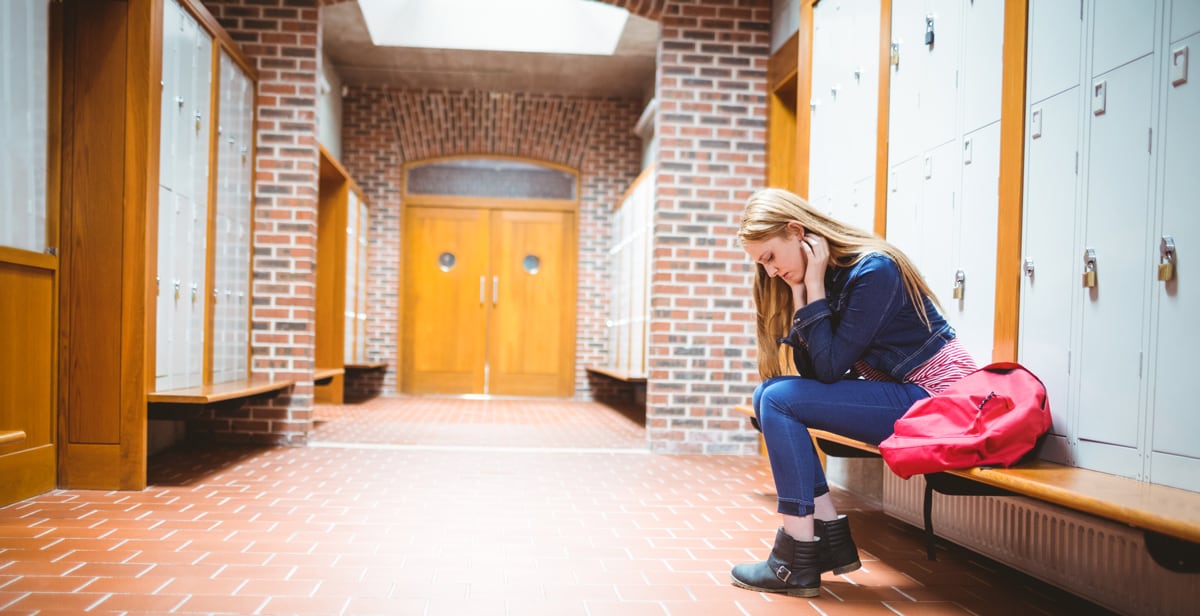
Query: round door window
x=446 y=261
x=531 y=264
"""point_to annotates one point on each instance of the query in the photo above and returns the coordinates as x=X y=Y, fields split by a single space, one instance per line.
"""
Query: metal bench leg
x=930 y=538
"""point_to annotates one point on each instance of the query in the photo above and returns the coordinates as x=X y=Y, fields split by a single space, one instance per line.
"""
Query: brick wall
x=282 y=38
x=385 y=128
x=712 y=129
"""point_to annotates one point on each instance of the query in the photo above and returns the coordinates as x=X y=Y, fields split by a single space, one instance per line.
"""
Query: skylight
x=534 y=26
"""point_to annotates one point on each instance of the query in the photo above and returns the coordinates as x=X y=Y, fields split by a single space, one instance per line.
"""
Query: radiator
x=1102 y=561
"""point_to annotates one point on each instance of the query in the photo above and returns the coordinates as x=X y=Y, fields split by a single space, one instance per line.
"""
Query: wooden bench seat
x=367 y=366
x=323 y=376
x=619 y=375
x=1170 y=517
x=219 y=392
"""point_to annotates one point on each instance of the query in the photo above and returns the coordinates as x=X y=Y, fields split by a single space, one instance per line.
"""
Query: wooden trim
x=884 y=116
x=210 y=256
x=29 y=258
x=213 y=27
x=646 y=173
x=782 y=65
x=804 y=49
x=207 y=394
x=492 y=203
x=1012 y=182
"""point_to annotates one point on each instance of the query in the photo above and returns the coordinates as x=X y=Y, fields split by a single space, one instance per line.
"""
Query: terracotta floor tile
x=429 y=506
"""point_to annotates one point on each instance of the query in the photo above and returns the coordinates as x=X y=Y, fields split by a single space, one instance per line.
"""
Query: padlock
x=1166 y=271
x=958 y=292
x=1089 y=279
x=929 y=29
x=1089 y=268
x=960 y=283
x=1166 y=258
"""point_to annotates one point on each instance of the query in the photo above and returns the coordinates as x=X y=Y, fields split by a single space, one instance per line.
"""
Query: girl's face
x=781 y=255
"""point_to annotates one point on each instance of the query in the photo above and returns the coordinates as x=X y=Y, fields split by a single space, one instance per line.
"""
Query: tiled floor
x=430 y=507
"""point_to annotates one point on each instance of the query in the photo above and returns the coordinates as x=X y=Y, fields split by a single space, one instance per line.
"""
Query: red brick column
x=712 y=133
x=282 y=37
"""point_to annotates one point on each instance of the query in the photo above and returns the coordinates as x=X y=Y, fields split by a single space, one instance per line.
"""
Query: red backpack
x=991 y=417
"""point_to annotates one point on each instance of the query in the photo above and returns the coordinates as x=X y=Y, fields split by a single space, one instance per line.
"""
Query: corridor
x=429 y=507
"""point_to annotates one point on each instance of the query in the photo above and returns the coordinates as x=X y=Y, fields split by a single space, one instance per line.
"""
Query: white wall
x=329 y=108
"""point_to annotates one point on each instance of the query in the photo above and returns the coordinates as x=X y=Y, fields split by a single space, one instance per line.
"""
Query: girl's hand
x=816 y=249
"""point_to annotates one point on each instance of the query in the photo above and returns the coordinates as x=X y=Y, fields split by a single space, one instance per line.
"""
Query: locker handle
x=1029 y=268
x=481 y=291
x=495 y=289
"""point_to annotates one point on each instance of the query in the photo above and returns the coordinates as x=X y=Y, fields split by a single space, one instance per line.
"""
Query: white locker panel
x=974 y=314
x=939 y=221
x=907 y=79
x=1049 y=288
x=1116 y=228
x=1176 y=423
x=195 y=293
x=861 y=81
x=903 y=208
x=179 y=286
x=1123 y=31
x=823 y=139
x=24 y=30
x=171 y=74
x=360 y=344
x=165 y=302
x=860 y=211
x=983 y=54
x=940 y=81
x=198 y=109
x=350 y=312
x=1184 y=19
x=1055 y=38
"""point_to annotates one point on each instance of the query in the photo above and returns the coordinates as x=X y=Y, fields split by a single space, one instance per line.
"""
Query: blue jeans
x=787 y=406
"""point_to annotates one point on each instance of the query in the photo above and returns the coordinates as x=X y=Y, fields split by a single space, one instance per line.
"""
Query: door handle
x=481 y=292
x=495 y=289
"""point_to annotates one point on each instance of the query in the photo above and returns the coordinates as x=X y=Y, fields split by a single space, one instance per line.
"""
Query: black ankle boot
x=793 y=568
x=838 y=552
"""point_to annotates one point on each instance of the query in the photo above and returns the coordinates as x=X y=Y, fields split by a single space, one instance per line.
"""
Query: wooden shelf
x=619 y=375
x=367 y=366
x=218 y=392
x=321 y=376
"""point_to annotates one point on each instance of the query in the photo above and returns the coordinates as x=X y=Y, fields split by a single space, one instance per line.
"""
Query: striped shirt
x=951 y=363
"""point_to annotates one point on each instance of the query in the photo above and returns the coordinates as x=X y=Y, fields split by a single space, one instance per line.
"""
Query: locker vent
x=1102 y=561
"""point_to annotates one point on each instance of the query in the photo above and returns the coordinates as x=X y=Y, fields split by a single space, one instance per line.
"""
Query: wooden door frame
x=408 y=200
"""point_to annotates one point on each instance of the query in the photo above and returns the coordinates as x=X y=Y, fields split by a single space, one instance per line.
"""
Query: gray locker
x=1050 y=280
x=1123 y=31
x=1175 y=457
x=1055 y=38
x=983 y=66
x=974 y=311
x=1118 y=192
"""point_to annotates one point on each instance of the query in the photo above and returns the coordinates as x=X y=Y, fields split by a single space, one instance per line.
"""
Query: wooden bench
x=619 y=375
x=1169 y=518
x=367 y=366
x=219 y=392
x=324 y=376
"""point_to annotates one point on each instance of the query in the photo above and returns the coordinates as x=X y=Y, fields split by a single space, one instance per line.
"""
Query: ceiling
x=628 y=73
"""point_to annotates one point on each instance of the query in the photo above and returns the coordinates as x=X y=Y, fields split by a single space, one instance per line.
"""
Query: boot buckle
x=783 y=573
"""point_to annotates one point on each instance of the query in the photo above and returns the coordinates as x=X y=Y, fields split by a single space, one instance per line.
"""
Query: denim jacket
x=867 y=315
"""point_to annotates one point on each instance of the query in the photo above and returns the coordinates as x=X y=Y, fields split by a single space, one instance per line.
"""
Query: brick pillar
x=712 y=133
x=282 y=38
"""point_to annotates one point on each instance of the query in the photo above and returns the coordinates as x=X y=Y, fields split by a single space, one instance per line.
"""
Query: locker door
x=165 y=301
x=1049 y=292
x=983 y=52
x=1175 y=457
x=1123 y=30
x=940 y=220
x=903 y=208
x=1055 y=35
x=975 y=313
x=445 y=321
x=904 y=100
x=823 y=144
x=1116 y=228
x=531 y=340
x=1184 y=19
x=861 y=210
x=940 y=79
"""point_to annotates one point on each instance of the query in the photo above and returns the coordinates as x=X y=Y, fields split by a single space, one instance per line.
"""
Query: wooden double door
x=489 y=302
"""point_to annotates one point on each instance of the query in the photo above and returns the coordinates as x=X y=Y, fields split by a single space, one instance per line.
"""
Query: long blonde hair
x=767 y=215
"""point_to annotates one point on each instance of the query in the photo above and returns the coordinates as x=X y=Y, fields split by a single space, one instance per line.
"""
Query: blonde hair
x=767 y=215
